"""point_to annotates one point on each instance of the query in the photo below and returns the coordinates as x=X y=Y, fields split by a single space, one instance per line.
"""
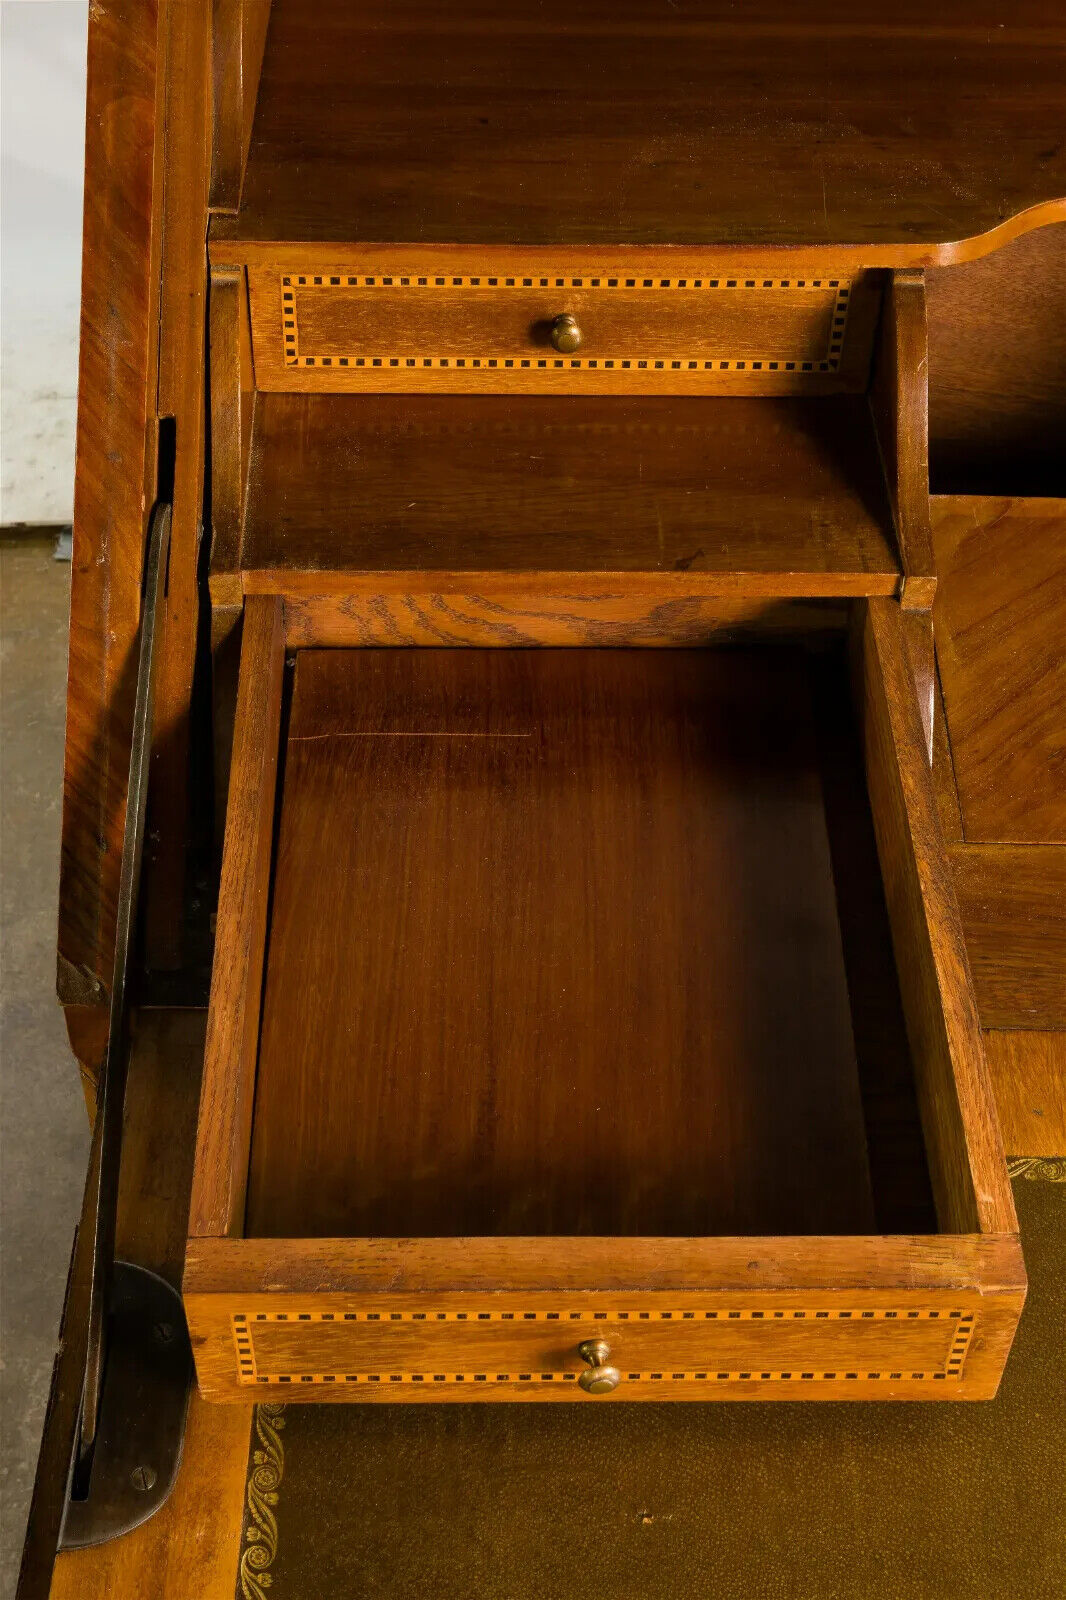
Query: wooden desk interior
x=555 y=949
x=587 y=942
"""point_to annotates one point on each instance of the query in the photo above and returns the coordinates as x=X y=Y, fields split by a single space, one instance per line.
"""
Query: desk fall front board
x=610 y=710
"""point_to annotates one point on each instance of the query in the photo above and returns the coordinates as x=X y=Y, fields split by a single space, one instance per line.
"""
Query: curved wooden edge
x=226 y=246
x=984 y=244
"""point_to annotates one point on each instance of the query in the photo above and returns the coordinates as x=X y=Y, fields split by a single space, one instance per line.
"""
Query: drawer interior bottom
x=578 y=942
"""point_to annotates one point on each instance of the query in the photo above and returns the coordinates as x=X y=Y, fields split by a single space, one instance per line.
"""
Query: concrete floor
x=44 y=1135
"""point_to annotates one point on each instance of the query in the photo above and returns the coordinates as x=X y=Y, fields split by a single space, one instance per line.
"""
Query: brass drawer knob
x=600 y=1378
x=566 y=335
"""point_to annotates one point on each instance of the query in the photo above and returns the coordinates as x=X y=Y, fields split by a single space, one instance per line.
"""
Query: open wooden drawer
x=565 y=996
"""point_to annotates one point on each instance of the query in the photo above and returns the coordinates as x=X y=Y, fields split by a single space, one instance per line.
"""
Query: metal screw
x=164 y=1332
x=143 y=1478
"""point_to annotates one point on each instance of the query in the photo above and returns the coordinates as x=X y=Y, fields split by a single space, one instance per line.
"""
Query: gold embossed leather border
x=266 y=1471
x=1046 y=1169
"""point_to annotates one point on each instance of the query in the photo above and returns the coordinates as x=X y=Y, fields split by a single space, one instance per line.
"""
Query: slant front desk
x=564 y=840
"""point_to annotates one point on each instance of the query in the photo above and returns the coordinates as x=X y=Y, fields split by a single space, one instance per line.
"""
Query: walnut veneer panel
x=538 y=1347
x=632 y=123
x=696 y=491
x=554 y=949
x=1000 y=632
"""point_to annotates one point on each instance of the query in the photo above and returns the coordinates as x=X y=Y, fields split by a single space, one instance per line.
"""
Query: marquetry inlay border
x=248 y=1372
x=295 y=357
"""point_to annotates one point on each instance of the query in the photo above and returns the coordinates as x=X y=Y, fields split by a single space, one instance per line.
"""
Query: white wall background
x=42 y=142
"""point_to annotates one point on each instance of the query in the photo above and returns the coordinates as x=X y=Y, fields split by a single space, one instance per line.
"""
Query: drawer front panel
x=439 y=1354
x=457 y=332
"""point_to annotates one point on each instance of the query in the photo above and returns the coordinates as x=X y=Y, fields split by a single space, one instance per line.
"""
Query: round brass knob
x=600 y=1378
x=566 y=335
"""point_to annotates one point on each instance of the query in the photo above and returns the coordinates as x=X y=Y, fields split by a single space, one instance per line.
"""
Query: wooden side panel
x=746 y=1319
x=233 y=1020
x=899 y=396
x=116 y=468
x=239 y=28
x=921 y=652
x=142 y=342
x=232 y=402
x=182 y=340
x=1001 y=622
x=962 y=1135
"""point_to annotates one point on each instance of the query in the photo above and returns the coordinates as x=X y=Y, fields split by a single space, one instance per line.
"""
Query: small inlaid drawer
x=640 y=329
x=696 y=1348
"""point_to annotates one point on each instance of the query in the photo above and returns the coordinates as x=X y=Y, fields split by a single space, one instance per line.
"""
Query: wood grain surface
x=192 y=1545
x=628 y=124
x=508 y=618
x=958 y=1113
x=1028 y=1071
x=115 y=476
x=1013 y=904
x=173 y=836
x=217 y=1205
x=1000 y=627
x=997 y=370
x=787 y=491
x=357 y=320
x=899 y=398
x=232 y=405
x=584 y=902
